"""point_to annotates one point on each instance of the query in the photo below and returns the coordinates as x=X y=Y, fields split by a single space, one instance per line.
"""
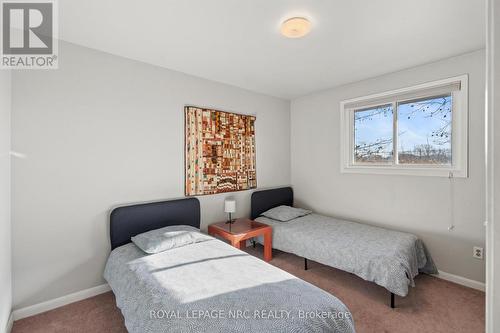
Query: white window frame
x=459 y=137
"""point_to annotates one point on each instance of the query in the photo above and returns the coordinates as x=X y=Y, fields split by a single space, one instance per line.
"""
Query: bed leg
x=305 y=264
x=392 y=301
x=254 y=243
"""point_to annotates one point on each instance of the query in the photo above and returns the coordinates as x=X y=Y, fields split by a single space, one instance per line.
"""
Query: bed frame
x=129 y=221
x=267 y=199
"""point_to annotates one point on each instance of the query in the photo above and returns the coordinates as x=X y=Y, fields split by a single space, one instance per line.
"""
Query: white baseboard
x=58 y=302
x=461 y=280
x=10 y=322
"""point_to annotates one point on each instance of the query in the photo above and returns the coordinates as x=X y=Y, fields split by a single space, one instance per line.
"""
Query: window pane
x=424 y=131
x=373 y=135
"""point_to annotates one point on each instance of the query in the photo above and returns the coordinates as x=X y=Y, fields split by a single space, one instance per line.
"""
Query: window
x=420 y=130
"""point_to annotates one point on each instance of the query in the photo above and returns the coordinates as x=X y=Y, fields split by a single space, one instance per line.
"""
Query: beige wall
x=101 y=131
x=5 y=224
x=416 y=204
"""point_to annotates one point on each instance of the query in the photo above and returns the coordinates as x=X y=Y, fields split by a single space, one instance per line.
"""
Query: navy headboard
x=267 y=199
x=128 y=221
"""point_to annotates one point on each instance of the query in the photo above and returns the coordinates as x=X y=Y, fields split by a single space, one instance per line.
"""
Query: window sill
x=405 y=171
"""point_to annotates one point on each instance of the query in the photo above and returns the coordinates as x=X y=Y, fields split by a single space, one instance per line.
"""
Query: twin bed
x=207 y=286
x=389 y=258
x=210 y=286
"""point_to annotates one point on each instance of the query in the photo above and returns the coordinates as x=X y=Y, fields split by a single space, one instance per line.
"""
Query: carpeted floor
x=434 y=305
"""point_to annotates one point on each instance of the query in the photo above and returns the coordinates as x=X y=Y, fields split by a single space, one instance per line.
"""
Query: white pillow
x=285 y=213
x=167 y=238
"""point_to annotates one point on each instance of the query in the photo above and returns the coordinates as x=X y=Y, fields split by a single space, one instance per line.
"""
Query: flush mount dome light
x=295 y=27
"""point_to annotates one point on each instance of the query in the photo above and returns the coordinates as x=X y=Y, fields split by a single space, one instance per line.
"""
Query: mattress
x=389 y=258
x=213 y=287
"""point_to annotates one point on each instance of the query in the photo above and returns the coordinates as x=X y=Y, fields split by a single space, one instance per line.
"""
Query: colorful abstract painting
x=219 y=151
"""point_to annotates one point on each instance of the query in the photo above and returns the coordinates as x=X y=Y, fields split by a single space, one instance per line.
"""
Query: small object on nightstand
x=230 y=207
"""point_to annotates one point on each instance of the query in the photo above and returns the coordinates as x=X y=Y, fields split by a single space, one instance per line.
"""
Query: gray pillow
x=285 y=213
x=167 y=238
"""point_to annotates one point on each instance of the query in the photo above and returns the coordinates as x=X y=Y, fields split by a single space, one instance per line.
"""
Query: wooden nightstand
x=241 y=230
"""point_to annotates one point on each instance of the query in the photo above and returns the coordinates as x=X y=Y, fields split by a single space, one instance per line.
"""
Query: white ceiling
x=238 y=42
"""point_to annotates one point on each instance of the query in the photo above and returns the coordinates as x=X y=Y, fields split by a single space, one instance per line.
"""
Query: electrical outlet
x=477 y=252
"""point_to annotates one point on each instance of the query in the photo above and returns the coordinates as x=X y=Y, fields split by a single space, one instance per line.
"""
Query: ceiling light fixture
x=295 y=27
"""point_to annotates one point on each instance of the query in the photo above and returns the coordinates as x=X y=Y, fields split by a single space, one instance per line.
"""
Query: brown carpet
x=434 y=305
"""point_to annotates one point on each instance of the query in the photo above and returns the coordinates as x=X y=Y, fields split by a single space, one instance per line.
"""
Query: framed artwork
x=219 y=151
